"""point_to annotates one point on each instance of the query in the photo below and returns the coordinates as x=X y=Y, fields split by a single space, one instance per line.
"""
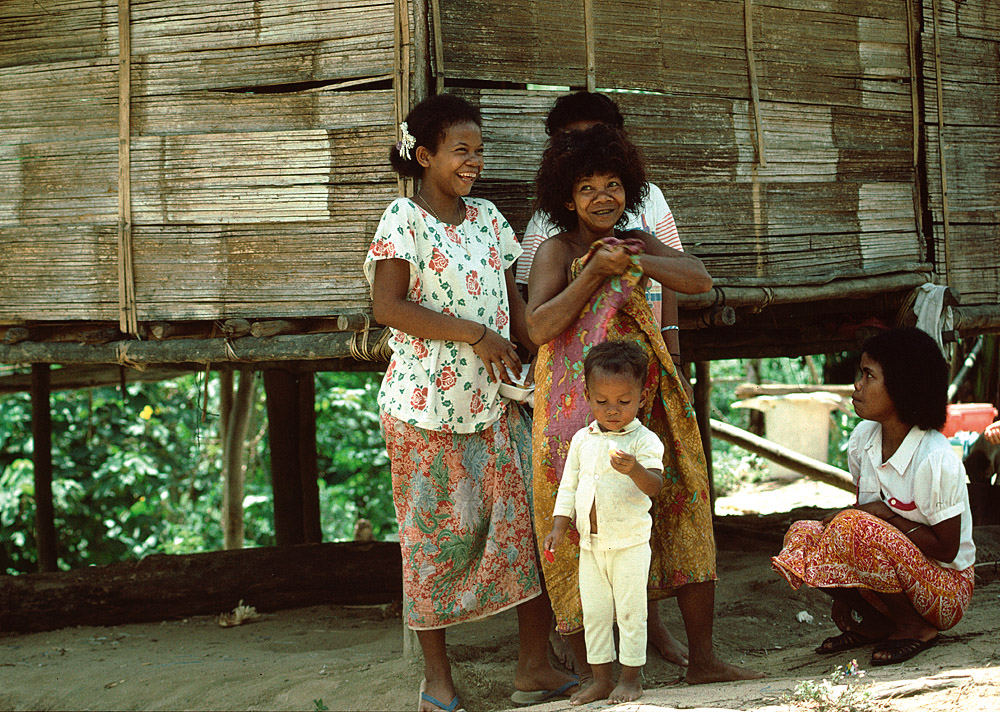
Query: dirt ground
x=341 y=658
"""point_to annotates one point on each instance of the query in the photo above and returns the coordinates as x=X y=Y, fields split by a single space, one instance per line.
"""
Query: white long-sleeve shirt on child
x=588 y=478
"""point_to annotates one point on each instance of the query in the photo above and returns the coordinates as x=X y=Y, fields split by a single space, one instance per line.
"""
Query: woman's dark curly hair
x=582 y=106
x=916 y=375
x=427 y=122
x=573 y=155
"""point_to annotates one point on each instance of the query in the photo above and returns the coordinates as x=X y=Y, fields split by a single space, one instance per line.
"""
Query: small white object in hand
x=804 y=617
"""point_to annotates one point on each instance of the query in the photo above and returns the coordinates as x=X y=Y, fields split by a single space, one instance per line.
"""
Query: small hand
x=992 y=433
x=551 y=542
x=499 y=356
x=622 y=461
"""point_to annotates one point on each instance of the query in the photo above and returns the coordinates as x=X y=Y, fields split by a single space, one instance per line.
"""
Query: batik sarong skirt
x=859 y=550
x=463 y=503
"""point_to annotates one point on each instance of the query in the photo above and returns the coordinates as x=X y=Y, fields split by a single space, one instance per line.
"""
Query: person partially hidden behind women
x=899 y=563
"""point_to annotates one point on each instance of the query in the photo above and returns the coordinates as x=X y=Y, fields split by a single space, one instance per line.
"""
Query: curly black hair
x=573 y=155
x=582 y=106
x=427 y=122
x=619 y=358
x=916 y=375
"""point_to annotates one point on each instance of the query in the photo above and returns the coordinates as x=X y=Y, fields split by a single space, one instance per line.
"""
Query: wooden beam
x=784 y=456
x=248 y=349
x=76 y=377
x=837 y=289
x=749 y=390
x=162 y=587
x=127 y=312
x=41 y=433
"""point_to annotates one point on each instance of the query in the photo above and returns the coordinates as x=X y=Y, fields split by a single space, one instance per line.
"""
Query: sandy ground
x=341 y=658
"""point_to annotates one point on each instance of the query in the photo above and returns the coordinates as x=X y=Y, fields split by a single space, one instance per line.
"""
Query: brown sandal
x=897 y=651
x=848 y=640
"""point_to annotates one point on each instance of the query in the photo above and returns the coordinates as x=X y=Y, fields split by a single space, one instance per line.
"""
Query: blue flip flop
x=450 y=707
x=534 y=697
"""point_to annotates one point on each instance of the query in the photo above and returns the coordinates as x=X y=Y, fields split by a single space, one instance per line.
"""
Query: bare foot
x=563 y=654
x=626 y=691
x=671 y=649
x=544 y=678
x=717 y=671
x=596 y=690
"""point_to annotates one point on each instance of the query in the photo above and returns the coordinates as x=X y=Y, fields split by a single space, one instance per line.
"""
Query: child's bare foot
x=596 y=690
x=626 y=691
x=715 y=670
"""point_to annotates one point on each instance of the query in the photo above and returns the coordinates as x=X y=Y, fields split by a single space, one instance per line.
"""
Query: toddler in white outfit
x=613 y=468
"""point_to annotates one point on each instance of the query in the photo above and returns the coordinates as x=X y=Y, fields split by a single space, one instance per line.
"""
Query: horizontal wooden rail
x=782 y=455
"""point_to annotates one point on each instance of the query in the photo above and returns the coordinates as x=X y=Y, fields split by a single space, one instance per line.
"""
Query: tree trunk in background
x=236 y=418
x=756 y=425
x=291 y=420
x=41 y=432
x=703 y=412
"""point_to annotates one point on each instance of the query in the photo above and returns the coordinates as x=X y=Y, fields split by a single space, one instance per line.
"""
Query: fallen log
x=163 y=586
x=783 y=456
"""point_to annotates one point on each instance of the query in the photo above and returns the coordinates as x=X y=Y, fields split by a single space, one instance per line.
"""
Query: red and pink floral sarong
x=859 y=550
x=463 y=503
x=682 y=541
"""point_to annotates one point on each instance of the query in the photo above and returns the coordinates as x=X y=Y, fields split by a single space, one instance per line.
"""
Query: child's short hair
x=573 y=155
x=916 y=375
x=582 y=106
x=427 y=123
x=620 y=358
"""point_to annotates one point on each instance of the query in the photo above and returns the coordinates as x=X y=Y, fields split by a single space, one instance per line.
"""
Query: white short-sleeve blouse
x=923 y=481
x=456 y=270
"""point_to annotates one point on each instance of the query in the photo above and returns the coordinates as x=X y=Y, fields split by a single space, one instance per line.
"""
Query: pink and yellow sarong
x=463 y=502
x=859 y=550
x=682 y=542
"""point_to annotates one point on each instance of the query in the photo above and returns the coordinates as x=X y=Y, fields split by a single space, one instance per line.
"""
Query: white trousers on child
x=613 y=584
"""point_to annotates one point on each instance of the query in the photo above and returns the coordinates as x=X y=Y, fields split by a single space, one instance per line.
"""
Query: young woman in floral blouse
x=440 y=269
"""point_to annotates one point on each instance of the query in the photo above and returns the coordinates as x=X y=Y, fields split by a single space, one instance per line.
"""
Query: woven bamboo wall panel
x=59 y=100
x=184 y=25
x=58 y=272
x=59 y=182
x=264 y=270
x=210 y=112
x=57 y=30
x=525 y=42
x=967 y=38
x=836 y=194
x=262 y=67
x=257 y=177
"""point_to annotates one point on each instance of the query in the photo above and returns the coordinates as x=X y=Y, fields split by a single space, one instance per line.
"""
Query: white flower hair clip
x=407 y=142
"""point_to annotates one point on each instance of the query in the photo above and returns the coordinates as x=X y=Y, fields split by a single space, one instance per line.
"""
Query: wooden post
x=233 y=460
x=282 y=422
x=41 y=432
x=703 y=412
x=291 y=414
x=312 y=531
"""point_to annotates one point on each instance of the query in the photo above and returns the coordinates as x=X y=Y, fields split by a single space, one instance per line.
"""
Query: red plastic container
x=971 y=417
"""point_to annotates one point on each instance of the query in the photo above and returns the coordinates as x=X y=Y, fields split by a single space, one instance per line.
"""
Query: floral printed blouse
x=456 y=270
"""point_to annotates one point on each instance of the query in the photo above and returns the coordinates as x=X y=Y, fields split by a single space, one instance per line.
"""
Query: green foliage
x=842 y=691
x=354 y=469
x=142 y=474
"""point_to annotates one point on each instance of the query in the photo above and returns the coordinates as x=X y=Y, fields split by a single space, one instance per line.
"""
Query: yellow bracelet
x=910 y=531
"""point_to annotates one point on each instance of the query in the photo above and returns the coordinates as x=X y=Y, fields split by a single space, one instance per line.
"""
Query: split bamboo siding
x=795 y=141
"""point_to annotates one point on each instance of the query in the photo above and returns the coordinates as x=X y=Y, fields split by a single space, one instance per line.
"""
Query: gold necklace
x=427 y=205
